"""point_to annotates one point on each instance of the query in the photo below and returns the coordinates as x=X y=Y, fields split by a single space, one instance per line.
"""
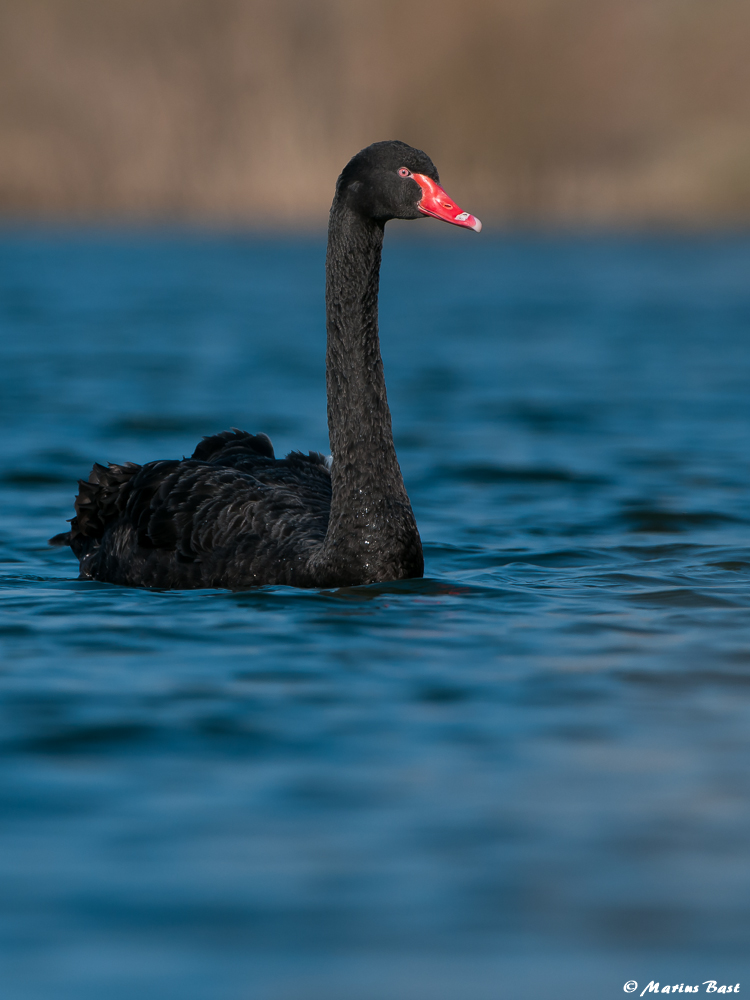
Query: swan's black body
x=234 y=516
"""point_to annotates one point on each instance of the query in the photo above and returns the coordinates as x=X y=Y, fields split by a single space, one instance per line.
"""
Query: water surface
x=525 y=775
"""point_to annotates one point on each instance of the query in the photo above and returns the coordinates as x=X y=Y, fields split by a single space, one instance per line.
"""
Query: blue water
x=526 y=775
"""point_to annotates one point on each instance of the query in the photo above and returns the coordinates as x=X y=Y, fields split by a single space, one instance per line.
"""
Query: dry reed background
x=243 y=111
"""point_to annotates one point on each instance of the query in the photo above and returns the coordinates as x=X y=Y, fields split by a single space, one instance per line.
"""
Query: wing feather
x=230 y=513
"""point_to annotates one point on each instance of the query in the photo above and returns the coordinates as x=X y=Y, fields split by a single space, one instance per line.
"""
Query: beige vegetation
x=243 y=111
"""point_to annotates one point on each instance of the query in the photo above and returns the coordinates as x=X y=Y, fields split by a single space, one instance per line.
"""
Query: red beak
x=436 y=202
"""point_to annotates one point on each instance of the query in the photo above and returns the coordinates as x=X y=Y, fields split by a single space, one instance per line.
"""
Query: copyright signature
x=711 y=985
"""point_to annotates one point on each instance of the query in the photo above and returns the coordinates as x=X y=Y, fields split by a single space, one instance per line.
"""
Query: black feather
x=232 y=515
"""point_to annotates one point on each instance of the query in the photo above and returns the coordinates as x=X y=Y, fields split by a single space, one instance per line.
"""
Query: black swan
x=233 y=515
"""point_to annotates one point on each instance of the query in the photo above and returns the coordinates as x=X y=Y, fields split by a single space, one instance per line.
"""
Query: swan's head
x=391 y=180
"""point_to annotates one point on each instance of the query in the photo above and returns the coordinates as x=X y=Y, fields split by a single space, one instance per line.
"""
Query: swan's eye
x=404 y=172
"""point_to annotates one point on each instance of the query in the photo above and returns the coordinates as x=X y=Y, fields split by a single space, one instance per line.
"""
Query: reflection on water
x=525 y=775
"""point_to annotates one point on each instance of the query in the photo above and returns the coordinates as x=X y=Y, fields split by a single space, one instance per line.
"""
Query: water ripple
x=540 y=750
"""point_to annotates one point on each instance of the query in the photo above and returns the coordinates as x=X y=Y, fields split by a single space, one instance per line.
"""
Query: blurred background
x=625 y=112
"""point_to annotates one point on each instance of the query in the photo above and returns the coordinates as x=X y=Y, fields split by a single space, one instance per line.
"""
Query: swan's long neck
x=359 y=420
x=372 y=527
